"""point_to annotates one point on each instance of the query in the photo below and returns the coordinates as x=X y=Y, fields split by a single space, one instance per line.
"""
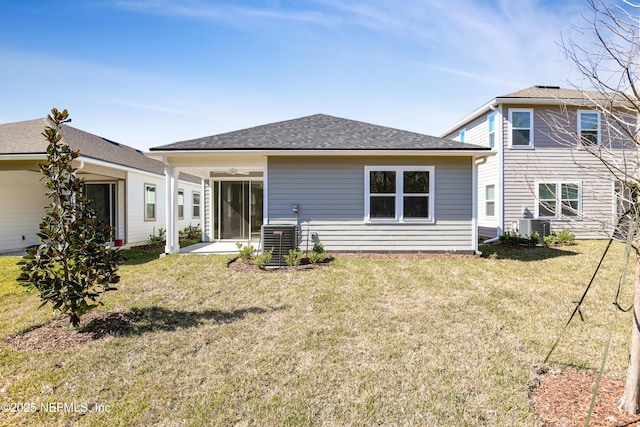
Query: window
x=399 y=194
x=149 y=202
x=559 y=199
x=462 y=135
x=180 y=204
x=490 y=200
x=196 y=204
x=589 y=128
x=491 y=125
x=521 y=128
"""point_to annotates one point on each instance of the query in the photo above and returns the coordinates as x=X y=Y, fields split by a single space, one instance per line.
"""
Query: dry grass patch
x=417 y=340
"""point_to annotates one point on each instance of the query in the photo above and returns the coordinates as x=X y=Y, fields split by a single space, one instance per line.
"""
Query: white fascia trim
x=167 y=155
x=489 y=106
x=116 y=166
x=23 y=156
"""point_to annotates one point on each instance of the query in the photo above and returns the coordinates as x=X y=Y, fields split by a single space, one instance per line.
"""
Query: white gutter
x=23 y=156
x=470 y=117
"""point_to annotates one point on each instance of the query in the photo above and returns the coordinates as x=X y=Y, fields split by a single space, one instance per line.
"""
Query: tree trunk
x=630 y=400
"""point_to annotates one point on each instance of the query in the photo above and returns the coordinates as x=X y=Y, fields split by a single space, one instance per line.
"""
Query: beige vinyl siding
x=189 y=188
x=205 y=211
x=330 y=192
x=477 y=133
x=552 y=160
x=139 y=229
x=487 y=175
x=23 y=206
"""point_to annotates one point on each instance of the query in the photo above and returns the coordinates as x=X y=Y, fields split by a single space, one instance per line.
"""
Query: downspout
x=500 y=189
x=499 y=194
x=474 y=205
x=476 y=164
x=489 y=241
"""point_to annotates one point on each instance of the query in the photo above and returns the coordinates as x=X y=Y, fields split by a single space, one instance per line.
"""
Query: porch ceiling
x=206 y=166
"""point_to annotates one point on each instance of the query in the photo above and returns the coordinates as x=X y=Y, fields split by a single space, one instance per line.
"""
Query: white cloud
x=222 y=12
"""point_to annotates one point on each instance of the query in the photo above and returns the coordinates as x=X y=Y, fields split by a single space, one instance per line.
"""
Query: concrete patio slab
x=221 y=247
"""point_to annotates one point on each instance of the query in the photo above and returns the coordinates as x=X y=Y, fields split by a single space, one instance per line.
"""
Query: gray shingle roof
x=554 y=92
x=319 y=132
x=26 y=138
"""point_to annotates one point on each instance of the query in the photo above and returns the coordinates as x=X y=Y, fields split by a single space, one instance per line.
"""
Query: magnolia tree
x=607 y=55
x=73 y=265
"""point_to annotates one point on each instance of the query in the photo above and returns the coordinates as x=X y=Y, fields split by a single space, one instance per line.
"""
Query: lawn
x=446 y=341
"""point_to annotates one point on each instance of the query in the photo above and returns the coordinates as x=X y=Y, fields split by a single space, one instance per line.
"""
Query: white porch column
x=203 y=216
x=171 y=201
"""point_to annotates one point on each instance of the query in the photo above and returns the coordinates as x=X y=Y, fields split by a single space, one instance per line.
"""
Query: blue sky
x=151 y=72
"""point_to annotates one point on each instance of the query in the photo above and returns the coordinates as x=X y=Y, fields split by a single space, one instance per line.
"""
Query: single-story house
x=353 y=185
x=126 y=186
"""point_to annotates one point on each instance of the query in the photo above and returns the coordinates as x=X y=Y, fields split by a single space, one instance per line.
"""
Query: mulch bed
x=238 y=265
x=562 y=399
x=59 y=335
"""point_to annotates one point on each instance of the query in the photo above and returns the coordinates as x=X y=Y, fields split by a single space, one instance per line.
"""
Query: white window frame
x=487 y=201
x=580 y=113
x=155 y=202
x=180 y=205
x=530 y=146
x=195 y=205
x=558 y=199
x=399 y=194
x=491 y=133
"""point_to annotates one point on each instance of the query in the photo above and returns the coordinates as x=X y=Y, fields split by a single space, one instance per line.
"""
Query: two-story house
x=542 y=170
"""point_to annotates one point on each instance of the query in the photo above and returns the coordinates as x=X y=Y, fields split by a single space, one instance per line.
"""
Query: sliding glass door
x=237 y=209
x=103 y=196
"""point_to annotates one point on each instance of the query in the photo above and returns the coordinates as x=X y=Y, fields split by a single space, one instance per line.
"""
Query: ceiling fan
x=234 y=171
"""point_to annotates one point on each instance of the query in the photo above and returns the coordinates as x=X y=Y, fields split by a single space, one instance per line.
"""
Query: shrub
x=246 y=252
x=565 y=237
x=190 y=232
x=513 y=239
x=263 y=259
x=156 y=241
x=318 y=254
x=535 y=238
x=317 y=257
x=73 y=266
x=293 y=258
